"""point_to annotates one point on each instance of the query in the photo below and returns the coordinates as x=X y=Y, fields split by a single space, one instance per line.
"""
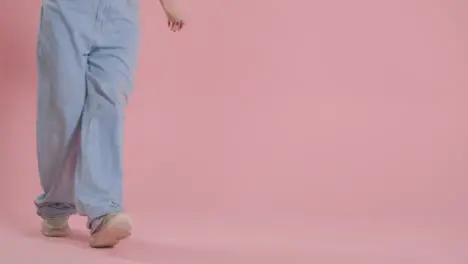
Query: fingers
x=175 y=26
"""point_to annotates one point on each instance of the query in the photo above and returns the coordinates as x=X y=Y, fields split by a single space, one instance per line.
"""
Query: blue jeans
x=87 y=53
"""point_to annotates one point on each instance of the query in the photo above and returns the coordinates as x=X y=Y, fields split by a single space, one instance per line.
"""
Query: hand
x=175 y=21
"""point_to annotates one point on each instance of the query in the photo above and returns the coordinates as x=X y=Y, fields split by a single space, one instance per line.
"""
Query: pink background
x=270 y=132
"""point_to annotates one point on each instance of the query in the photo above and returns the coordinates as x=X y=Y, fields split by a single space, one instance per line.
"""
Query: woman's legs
x=87 y=52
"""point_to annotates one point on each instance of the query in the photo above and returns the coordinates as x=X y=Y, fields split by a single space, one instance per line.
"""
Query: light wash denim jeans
x=87 y=54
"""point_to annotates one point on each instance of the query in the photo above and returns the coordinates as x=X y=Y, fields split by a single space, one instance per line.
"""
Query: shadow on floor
x=138 y=250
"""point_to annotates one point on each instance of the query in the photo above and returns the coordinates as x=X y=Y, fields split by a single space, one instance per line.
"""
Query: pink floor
x=315 y=132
